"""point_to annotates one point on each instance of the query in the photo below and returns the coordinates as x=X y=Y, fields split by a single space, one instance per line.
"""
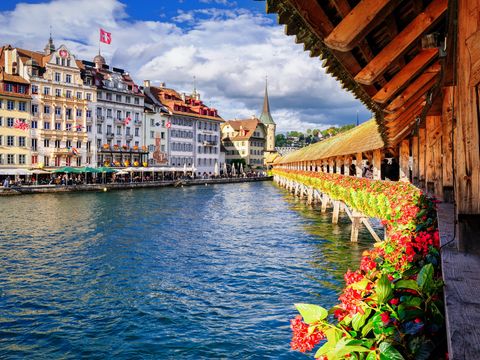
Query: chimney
x=146 y=83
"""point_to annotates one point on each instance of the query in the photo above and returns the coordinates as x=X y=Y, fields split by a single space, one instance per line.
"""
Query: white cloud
x=229 y=51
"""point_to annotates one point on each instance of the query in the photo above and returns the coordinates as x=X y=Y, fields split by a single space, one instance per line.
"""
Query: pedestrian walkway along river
x=173 y=273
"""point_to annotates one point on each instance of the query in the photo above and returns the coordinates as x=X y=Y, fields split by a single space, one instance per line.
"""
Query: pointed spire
x=266 y=117
x=50 y=47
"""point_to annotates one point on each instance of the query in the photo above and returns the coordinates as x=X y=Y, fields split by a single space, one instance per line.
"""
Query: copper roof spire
x=266 y=117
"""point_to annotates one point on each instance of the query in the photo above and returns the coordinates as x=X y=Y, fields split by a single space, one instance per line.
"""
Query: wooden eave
x=376 y=54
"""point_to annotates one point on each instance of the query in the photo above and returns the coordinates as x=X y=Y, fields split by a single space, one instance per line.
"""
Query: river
x=203 y=272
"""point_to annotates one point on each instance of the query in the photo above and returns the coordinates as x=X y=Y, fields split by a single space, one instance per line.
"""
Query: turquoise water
x=206 y=272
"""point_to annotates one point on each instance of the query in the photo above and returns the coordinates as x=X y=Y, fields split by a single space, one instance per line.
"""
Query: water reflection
x=195 y=272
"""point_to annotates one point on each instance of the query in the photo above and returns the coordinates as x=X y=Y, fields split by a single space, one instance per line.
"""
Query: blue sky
x=228 y=45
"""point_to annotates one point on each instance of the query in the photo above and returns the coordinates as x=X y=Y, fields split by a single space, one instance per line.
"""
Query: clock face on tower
x=63 y=53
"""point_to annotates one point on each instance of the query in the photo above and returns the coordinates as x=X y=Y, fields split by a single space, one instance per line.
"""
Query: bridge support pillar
x=336 y=211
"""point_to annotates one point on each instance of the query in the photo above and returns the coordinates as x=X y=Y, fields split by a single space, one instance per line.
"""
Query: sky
x=229 y=46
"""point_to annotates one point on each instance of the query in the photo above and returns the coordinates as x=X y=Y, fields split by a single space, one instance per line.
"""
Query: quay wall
x=38 y=189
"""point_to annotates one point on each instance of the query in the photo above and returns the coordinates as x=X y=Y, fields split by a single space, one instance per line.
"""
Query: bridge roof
x=365 y=137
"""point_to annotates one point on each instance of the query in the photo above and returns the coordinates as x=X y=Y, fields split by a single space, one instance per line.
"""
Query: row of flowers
x=125 y=163
x=391 y=308
x=124 y=147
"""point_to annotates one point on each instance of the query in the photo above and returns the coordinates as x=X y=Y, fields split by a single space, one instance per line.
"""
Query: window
x=89 y=128
x=68 y=143
x=68 y=78
x=58 y=126
x=22 y=106
x=119 y=130
x=68 y=127
x=89 y=114
x=89 y=145
x=79 y=113
x=68 y=94
x=127 y=130
x=58 y=77
x=34 y=124
x=58 y=92
x=10 y=159
x=89 y=97
x=46 y=125
x=137 y=101
x=10 y=140
x=57 y=60
x=162 y=135
x=128 y=100
x=34 y=109
x=46 y=109
x=46 y=160
x=118 y=98
x=21 y=141
x=109 y=113
x=68 y=62
x=21 y=159
x=57 y=144
x=58 y=111
x=79 y=144
x=34 y=89
x=79 y=95
x=46 y=91
x=68 y=112
x=109 y=96
x=119 y=115
x=136 y=131
x=10 y=105
x=79 y=161
x=34 y=144
x=152 y=134
x=34 y=159
x=10 y=122
x=9 y=87
x=99 y=128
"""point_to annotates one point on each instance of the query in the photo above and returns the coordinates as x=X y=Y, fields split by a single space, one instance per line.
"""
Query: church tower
x=267 y=120
x=50 y=47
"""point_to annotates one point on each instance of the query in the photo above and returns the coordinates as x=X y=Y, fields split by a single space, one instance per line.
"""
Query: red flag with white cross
x=105 y=36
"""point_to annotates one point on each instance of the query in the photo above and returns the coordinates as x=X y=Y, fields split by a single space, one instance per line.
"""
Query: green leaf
x=384 y=289
x=388 y=352
x=359 y=320
x=406 y=284
x=311 y=313
x=371 y=356
x=324 y=349
x=425 y=278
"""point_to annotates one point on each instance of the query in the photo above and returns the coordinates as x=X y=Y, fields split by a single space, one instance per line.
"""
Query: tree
x=280 y=140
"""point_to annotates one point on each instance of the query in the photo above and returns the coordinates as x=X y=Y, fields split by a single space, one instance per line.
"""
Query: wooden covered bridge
x=416 y=65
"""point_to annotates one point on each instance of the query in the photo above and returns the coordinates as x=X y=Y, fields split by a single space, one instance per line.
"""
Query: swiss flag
x=105 y=36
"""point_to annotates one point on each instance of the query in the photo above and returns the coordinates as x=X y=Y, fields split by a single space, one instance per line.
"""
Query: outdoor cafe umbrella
x=215 y=171
x=241 y=169
x=234 y=172
x=185 y=169
x=225 y=170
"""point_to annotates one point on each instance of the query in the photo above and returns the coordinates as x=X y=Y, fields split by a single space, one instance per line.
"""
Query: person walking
x=6 y=182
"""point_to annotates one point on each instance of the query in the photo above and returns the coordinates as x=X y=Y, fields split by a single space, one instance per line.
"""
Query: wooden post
x=405 y=160
x=415 y=159
x=338 y=164
x=358 y=164
x=467 y=137
x=336 y=211
x=324 y=203
x=356 y=222
x=310 y=195
x=377 y=164
x=434 y=155
x=422 y=158
x=331 y=166
x=347 y=162
x=447 y=146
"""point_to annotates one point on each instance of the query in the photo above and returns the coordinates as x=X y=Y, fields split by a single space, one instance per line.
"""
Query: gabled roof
x=244 y=128
x=362 y=138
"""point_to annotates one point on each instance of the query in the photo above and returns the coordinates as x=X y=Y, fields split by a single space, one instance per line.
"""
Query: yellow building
x=61 y=107
x=244 y=141
x=15 y=102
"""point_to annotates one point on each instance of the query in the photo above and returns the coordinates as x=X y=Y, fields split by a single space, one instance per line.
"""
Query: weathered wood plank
x=422 y=156
x=461 y=274
x=415 y=155
x=346 y=35
x=406 y=74
x=422 y=23
x=404 y=160
x=447 y=145
x=377 y=164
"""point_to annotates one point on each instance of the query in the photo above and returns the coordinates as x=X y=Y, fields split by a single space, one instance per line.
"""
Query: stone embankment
x=37 y=189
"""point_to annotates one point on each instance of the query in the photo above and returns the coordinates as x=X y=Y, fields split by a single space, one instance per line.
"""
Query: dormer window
x=57 y=60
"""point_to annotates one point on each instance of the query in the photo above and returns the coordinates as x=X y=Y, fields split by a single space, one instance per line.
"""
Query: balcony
x=129 y=137
x=89 y=119
x=110 y=136
x=119 y=121
x=100 y=119
x=209 y=143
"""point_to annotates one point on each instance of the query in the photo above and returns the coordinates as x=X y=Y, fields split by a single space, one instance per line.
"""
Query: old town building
x=60 y=106
x=193 y=130
x=15 y=102
x=267 y=120
x=244 y=142
x=116 y=130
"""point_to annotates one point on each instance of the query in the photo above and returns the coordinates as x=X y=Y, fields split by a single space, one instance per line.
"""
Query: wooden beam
x=402 y=42
x=356 y=24
x=407 y=73
x=401 y=113
x=447 y=128
x=422 y=156
x=415 y=156
x=414 y=88
x=434 y=154
x=409 y=117
x=377 y=164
